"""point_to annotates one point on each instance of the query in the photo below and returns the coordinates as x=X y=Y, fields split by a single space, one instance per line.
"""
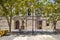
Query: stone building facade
x=29 y=22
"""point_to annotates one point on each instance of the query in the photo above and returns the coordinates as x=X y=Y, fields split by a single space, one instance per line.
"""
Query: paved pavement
x=31 y=37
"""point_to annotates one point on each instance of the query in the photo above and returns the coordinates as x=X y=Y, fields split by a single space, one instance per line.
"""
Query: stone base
x=58 y=30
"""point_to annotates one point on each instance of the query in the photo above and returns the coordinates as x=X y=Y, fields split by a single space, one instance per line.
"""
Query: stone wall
x=3 y=25
x=28 y=24
x=58 y=25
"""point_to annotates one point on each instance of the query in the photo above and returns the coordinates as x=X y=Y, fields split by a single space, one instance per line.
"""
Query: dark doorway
x=22 y=26
x=17 y=24
x=40 y=25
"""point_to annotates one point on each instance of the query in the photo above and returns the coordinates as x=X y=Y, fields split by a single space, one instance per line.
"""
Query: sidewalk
x=27 y=32
x=31 y=37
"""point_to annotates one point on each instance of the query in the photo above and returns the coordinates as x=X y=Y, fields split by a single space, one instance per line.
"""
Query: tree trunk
x=9 y=28
x=9 y=21
x=9 y=24
x=55 y=25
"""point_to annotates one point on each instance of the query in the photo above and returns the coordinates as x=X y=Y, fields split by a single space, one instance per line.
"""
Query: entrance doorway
x=40 y=24
x=22 y=26
x=17 y=24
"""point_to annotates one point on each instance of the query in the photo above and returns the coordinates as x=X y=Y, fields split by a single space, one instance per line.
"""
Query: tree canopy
x=10 y=8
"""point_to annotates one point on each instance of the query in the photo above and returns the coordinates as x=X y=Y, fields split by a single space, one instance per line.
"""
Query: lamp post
x=32 y=24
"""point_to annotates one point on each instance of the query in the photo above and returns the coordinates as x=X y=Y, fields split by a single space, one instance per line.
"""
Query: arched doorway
x=40 y=24
x=22 y=26
x=17 y=24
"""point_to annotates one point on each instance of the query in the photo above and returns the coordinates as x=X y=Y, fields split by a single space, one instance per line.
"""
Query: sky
x=51 y=0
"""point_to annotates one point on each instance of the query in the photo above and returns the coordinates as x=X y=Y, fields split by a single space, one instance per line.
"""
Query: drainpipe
x=32 y=24
x=26 y=23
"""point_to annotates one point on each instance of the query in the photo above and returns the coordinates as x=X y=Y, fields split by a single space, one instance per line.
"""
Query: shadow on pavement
x=34 y=33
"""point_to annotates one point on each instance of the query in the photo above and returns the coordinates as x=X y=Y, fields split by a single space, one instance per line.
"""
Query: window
x=40 y=25
x=17 y=24
x=40 y=22
x=22 y=26
x=47 y=23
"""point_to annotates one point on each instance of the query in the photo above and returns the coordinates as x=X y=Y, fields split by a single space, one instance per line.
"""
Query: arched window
x=17 y=24
x=47 y=23
x=22 y=26
x=40 y=24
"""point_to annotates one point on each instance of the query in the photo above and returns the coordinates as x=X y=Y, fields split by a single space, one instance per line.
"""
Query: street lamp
x=32 y=24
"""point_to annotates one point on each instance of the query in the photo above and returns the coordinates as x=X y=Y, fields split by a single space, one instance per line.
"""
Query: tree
x=9 y=8
x=51 y=10
x=6 y=6
x=55 y=14
x=57 y=1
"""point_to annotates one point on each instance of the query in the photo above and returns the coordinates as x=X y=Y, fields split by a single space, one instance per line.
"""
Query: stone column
x=34 y=24
x=43 y=24
x=13 y=25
